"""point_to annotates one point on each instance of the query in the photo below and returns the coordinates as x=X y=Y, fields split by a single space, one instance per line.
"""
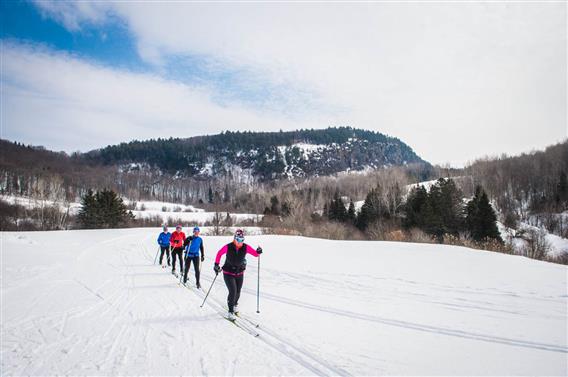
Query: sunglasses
x=240 y=239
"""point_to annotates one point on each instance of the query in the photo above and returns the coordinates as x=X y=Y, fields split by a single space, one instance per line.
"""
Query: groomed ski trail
x=278 y=342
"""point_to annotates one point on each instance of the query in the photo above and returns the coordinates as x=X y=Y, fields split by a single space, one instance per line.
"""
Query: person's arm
x=252 y=251
x=220 y=253
x=159 y=239
x=187 y=241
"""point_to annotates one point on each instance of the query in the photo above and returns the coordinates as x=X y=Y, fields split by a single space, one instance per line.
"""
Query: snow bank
x=91 y=302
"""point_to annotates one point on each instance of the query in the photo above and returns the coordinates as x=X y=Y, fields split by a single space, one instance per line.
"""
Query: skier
x=234 y=268
x=193 y=249
x=164 y=242
x=176 y=240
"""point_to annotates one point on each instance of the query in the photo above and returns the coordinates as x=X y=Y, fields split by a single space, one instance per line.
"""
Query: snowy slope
x=92 y=303
x=188 y=214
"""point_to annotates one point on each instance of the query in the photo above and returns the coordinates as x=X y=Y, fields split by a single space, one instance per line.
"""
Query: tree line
x=439 y=212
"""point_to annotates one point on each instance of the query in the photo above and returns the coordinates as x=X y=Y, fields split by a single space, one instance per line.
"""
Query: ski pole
x=207 y=295
x=156 y=257
x=258 y=287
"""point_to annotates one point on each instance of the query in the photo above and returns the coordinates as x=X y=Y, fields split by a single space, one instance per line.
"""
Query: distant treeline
x=259 y=152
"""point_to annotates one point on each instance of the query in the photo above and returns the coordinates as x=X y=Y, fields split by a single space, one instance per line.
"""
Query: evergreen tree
x=275 y=206
x=432 y=221
x=450 y=206
x=226 y=195
x=481 y=220
x=216 y=197
x=210 y=195
x=337 y=211
x=351 y=215
x=103 y=209
x=285 y=209
x=414 y=207
x=371 y=211
x=89 y=213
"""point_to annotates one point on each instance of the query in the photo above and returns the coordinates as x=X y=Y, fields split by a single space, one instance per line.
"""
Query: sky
x=455 y=80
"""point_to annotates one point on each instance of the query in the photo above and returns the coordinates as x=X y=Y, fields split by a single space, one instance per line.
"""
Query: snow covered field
x=91 y=302
x=188 y=214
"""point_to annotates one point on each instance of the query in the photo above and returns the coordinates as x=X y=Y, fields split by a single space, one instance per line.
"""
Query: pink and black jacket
x=235 y=259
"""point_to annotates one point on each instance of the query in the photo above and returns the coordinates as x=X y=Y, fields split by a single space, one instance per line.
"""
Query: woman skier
x=234 y=268
x=164 y=242
x=193 y=249
x=176 y=240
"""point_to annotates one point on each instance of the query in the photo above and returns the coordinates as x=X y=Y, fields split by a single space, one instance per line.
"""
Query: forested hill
x=268 y=155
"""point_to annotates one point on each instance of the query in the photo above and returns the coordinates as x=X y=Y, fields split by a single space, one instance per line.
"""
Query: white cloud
x=64 y=103
x=454 y=80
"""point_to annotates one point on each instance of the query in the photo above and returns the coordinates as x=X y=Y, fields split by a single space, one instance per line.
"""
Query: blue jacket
x=164 y=239
x=194 y=246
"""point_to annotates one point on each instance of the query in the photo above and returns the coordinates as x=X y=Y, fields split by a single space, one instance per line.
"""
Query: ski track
x=414 y=326
x=122 y=335
x=278 y=342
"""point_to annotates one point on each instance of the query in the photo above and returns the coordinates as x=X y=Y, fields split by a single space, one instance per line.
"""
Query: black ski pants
x=165 y=249
x=195 y=261
x=234 y=284
x=178 y=251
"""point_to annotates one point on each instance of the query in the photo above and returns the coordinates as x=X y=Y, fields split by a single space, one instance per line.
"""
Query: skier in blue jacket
x=194 y=252
x=164 y=242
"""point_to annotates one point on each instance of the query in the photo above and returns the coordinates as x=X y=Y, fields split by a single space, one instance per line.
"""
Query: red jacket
x=177 y=238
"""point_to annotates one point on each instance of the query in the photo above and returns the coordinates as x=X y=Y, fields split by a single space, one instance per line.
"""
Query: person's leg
x=180 y=255
x=232 y=286
x=186 y=269
x=197 y=272
x=168 y=254
x=161 y=254
x=174 y=252
x=238 y=285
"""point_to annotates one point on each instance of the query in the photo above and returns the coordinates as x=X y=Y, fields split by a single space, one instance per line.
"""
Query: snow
x=187 y=214
x=193 y=218
x=427 y=185
x=558 y=245
x=30 y=203
x=308 y=149
x=158 y=206
x=91 y=302
x=207 y=169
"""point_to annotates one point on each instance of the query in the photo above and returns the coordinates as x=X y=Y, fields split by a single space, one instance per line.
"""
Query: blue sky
x=441 y=77
x=112 y=45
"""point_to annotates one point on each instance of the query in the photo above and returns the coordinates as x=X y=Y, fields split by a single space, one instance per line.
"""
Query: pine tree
x=285 y=209
x=336 y=209
x=414 y=207
x=351 y=215
x=481 y=221
x=226 y=195
x=275 y=206
x=89 y=213
x=450 y=207
x=103 y=209
x=371 y=211
x=210 y=195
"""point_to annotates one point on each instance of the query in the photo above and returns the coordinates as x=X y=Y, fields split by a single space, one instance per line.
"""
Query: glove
x=202 y=258
x=217 y=268
x=259 y=250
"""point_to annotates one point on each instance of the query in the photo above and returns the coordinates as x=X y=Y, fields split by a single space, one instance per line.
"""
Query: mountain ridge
x=267 y=155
